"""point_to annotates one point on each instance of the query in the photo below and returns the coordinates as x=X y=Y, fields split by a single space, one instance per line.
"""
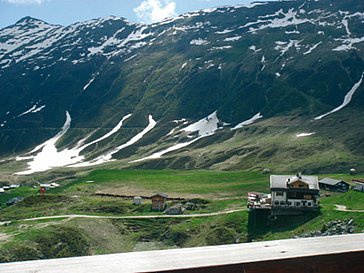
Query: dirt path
x=344 y=208
x=129 y=217
x=4 y=237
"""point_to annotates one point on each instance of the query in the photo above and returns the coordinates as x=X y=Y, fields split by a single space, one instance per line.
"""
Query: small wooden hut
x=159 y=201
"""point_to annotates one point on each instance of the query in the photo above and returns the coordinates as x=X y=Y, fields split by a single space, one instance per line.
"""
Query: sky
x=66 y=12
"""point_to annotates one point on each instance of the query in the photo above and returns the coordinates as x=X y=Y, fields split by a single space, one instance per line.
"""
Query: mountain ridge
x=275 y=59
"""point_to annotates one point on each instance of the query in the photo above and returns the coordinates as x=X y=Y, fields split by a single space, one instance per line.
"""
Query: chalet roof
x=160 y=194
x=330 y=181
x=282 y=181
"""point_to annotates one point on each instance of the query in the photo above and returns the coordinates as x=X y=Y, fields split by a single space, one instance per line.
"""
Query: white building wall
x=293 y=203
x=283 y=201
x=278 y=196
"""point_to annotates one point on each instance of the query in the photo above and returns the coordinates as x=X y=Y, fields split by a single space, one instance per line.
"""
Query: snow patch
x=224 y=31
x=312 y=48
x=199 y=42
x=209 y=10
x=251 y=5
x=292 y=32
x=183 y=66
x=179 y=120
x=348 y=44
x=130 y=58
x=18 y=37
x=346 y=25
x=49 y=157
x=108 y=157
x=95 y=50
x=232 y=39
x=136 y=36
x=248 y=122
x=113 y=131
x=205 y=127
x=289 y=19
x=168 y=150
x=346 y=101
x=172 y=132
x=219 y=48
x=140 y=44
x=283 y=47
x=254 y=48
x=90 y=81
x=305 y=134
x=33 y=109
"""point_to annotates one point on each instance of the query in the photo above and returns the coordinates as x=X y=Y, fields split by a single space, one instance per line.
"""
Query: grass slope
x=22 y=240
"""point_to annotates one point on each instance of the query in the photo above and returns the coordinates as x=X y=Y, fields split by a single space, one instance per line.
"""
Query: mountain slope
x=284 y=63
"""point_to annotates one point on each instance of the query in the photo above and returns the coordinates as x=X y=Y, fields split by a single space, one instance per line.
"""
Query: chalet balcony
x=296 y=204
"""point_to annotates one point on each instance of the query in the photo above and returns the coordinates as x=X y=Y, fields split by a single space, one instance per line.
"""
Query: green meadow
x=213 y=191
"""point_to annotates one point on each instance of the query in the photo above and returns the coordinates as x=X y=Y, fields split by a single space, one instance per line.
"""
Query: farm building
x=358 y=185
x=137 y=200
x=294 y=192
x=333 y=185
x=159 y=201
x=259 y=200
x=290 y=195
x=49 y=186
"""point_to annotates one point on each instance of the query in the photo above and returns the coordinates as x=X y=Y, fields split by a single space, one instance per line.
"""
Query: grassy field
x=18 y=192
x=353 y=200
x=175 y=183
x=22 y=240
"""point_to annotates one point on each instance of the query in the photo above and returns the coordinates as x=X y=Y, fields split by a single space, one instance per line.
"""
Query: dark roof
x=14 y=200
x=176 y=207
x=331 y=182
x=280 y=181
x=160 y=194
x=358 y=180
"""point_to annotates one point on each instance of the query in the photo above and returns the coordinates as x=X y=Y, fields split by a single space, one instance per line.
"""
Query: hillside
x=270 y=85
x=75 y=221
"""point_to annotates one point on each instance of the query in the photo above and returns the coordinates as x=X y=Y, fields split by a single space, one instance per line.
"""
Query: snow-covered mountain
x=271 y=84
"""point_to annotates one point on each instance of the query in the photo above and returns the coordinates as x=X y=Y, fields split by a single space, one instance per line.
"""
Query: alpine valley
x=275 y=85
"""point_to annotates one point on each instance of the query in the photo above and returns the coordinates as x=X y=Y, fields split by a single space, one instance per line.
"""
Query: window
x=282 y=203
x=276 y=203
x=289 y=203
x=298 y=204
x=279 y=193
x=309 y=204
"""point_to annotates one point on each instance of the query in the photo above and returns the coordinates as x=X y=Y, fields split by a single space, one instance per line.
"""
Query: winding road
x=71 y=216
x=344 y=208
